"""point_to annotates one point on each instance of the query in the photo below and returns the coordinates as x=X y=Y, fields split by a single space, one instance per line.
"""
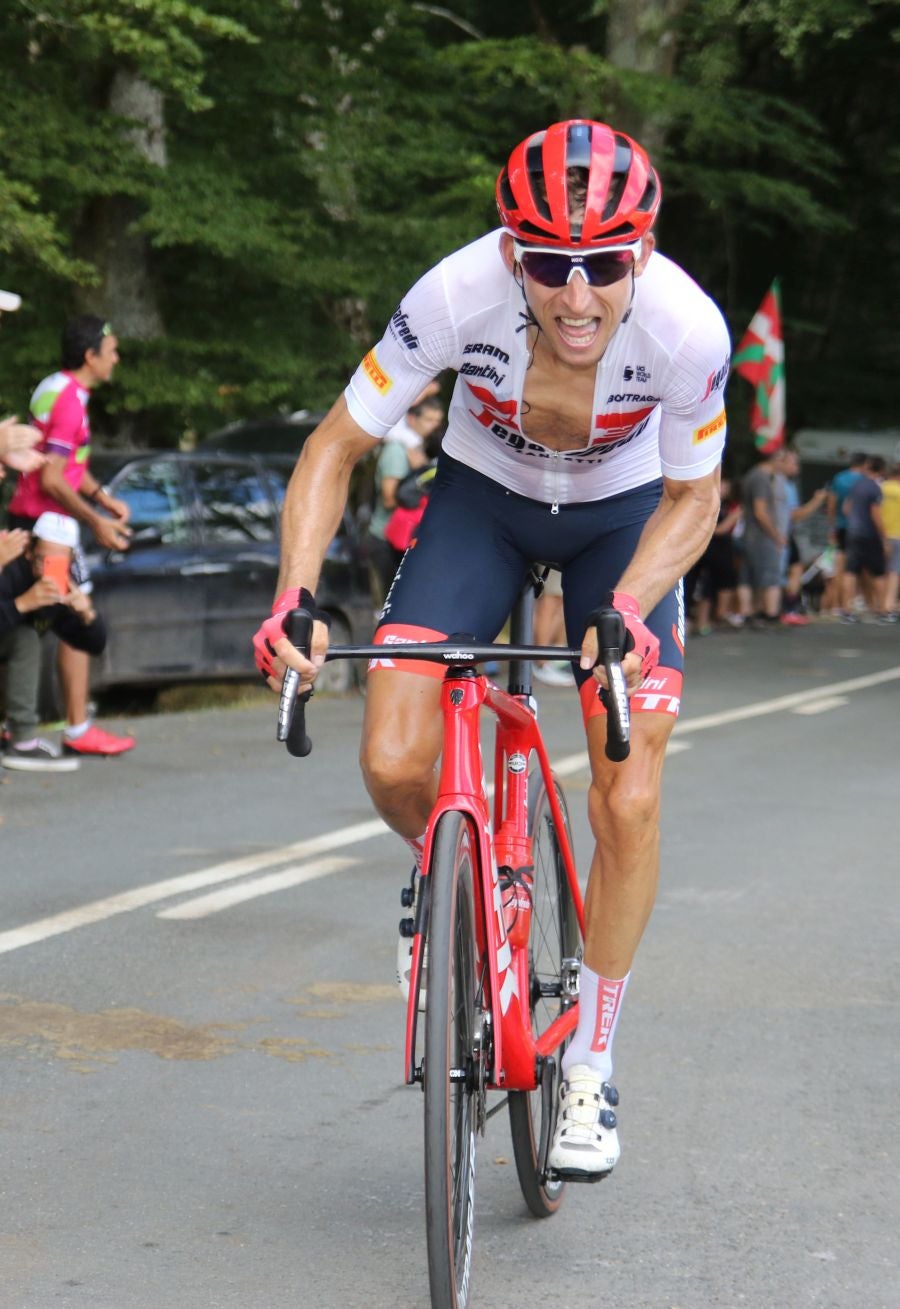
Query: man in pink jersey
x=64 y=485
x=585 y=431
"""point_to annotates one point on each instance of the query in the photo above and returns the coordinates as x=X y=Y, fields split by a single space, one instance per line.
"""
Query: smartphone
x=56 y=568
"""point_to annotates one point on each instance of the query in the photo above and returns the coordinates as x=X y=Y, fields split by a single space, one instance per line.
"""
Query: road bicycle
x=499 y=910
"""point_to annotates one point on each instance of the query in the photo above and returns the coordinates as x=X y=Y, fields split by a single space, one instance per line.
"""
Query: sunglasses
x=553 y=267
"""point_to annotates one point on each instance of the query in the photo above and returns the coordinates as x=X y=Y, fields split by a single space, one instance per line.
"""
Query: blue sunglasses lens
x=553 y=269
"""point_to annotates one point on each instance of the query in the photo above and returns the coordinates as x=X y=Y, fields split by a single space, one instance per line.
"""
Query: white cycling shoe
x=405 y=945
x=585 y=1144
x=404 y=969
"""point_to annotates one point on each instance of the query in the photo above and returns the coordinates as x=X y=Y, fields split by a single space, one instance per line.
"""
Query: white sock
x=73 y=732
x=417 y=845
x=599 y=1002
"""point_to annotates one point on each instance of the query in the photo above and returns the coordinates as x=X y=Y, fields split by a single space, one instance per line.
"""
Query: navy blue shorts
x=468 y=562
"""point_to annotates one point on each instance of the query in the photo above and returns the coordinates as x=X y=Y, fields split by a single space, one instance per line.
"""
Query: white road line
x=821 y=706
x=99 y=910
x=231 y=895
x=763 y=707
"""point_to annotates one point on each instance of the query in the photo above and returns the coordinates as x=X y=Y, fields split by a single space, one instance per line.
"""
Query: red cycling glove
x=642 y=639
x=272 y=629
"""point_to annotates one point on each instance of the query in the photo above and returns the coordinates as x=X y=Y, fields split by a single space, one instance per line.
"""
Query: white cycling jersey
x=658 y=406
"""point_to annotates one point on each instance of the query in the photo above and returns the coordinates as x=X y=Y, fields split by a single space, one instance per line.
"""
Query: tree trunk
x=126 y=294
x=641 y=37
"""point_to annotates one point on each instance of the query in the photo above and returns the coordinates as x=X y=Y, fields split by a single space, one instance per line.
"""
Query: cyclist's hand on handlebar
x=641 y=646
x=274 y=653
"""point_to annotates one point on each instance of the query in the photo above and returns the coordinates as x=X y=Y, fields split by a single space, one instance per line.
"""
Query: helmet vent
x=534 y=166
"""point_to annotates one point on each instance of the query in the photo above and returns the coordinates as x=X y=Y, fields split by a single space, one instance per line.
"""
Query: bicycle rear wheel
x=554 y=937
x=453 y=1064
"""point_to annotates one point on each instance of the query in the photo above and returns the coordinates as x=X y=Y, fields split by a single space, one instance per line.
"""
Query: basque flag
x=760 y=358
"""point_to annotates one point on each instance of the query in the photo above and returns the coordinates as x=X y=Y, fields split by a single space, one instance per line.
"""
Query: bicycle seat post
x=521 y=632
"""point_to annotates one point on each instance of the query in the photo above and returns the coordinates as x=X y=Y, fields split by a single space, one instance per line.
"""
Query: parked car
x=282 y=434
x=182 y=603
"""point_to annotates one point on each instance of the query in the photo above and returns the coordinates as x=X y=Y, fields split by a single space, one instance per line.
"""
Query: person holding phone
x=37 y=596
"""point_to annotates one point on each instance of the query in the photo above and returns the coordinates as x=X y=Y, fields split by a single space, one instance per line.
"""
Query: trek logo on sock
x=608 y=997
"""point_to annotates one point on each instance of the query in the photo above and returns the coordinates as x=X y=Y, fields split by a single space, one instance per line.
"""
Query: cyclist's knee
x=623 y=805
x=391 y=768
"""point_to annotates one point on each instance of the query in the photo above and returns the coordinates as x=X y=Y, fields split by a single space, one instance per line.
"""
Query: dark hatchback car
x=182 y=603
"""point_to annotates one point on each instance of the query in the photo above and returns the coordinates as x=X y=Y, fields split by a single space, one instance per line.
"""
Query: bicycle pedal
x=575 y=1175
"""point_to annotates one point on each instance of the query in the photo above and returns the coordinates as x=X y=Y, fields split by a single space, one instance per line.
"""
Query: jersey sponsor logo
x=709 y=429
x=638 y=371
x=493 y=410
x=487 y=371
x=629 y=397
x=402 y=331
x=376 y=374
x=717 y=379
x=482 y=348
x=613 y=427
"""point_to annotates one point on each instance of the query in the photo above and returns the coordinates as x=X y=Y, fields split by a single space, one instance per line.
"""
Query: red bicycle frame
x=500 y=837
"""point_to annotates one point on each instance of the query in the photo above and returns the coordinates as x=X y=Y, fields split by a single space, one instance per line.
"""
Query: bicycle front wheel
x=453 y=1064
x=554 y=937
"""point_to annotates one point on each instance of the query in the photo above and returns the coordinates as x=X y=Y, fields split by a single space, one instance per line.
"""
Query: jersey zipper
x=554 y=508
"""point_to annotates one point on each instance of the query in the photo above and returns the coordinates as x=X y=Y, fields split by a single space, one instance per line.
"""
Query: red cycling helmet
x=623 y=191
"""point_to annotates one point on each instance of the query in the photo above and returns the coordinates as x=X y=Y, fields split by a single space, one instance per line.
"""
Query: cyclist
x=585 y=430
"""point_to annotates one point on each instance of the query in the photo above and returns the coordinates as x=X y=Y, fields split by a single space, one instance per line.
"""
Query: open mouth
x=579 y=333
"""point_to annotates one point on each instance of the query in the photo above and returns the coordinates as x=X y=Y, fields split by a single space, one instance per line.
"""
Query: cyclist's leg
x=624 y=813
x=460 y=574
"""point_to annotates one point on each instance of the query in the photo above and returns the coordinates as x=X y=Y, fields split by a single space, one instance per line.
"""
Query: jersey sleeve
x=64 y=424
x=692 y=423
x=420 y=342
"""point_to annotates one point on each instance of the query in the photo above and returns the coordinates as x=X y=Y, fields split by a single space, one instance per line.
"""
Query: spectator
x=65 y=485
x=403 y=450
x=550 y=629
x=766 y=521
x=866 y=541
x=712 y=582
x=890 y=512
x=838 y=491
x=793 y=615
x=32 y=602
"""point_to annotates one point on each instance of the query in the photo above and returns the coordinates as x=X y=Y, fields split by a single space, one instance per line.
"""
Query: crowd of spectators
x=44 y=581
x=756 y=573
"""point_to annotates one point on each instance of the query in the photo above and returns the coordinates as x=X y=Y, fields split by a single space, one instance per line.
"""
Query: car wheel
x=341 y=676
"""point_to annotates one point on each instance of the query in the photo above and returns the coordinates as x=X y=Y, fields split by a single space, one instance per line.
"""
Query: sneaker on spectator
x=848 y=617
x=886 y=620
x=37 y=756
x=793 y=619
x=97 y=741
x=553 y=674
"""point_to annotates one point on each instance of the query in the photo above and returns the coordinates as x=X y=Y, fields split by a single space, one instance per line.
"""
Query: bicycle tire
x=451 y=1105
x=554 y=936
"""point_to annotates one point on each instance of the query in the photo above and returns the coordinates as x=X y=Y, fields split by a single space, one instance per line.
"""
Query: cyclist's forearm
x=317 y=495
x=673 y=539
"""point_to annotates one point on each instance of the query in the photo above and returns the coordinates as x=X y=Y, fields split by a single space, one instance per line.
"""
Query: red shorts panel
x=660 y=693
x=401 y=633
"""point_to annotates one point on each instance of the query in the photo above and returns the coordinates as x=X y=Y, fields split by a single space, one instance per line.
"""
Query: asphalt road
x=201 y=1099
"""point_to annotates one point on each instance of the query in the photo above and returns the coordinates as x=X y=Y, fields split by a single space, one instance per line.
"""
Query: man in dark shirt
x=35 y=598
x=866 y=541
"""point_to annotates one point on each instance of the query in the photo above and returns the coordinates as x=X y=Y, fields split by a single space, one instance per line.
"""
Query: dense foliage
x=247 y=186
